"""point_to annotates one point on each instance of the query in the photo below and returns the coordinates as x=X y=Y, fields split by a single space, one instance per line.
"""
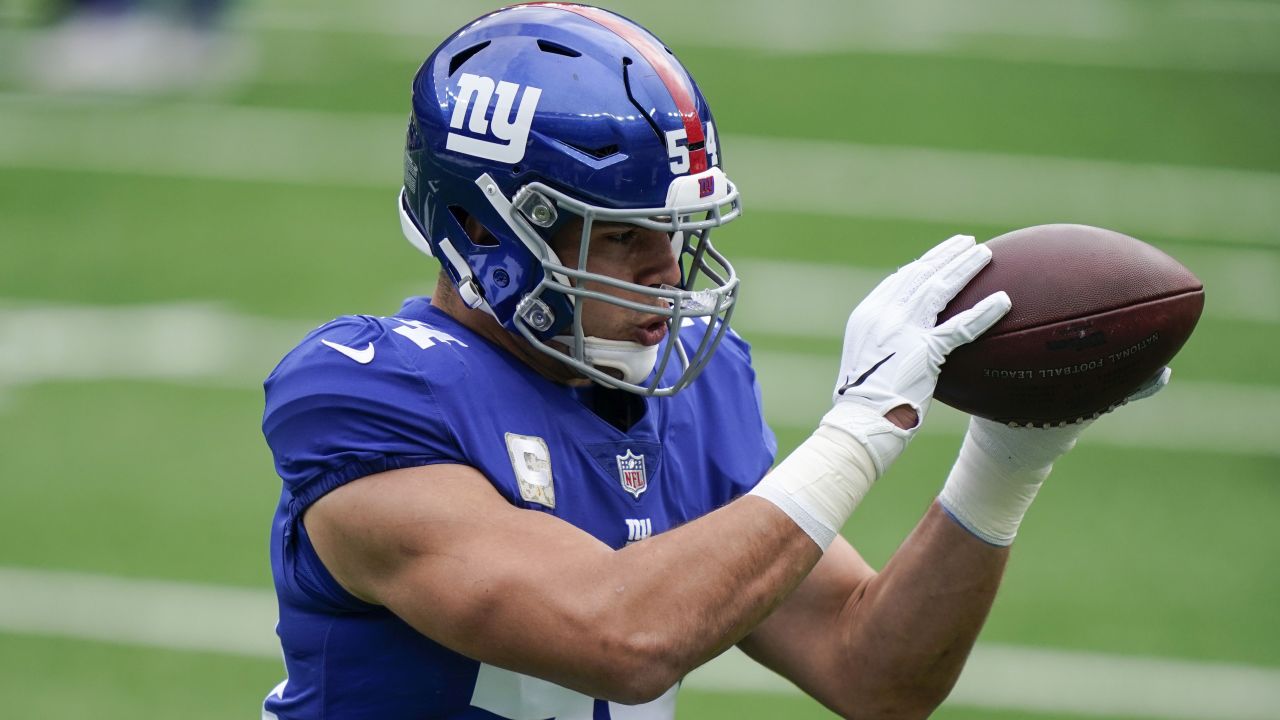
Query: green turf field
x=158 y=254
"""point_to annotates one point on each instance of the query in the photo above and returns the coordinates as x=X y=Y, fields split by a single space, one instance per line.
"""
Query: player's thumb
x=1152 y=386
x=970 y=324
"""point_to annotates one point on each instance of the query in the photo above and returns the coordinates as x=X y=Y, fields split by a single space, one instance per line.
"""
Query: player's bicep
x=438 y=546
x=801 y=639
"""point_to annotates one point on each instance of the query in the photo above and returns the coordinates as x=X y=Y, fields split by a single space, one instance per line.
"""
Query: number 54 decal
x=678 y=149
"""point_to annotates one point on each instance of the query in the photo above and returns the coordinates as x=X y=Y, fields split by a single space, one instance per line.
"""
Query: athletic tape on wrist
x=820 y=483
x=882 y=440
x=987 y=494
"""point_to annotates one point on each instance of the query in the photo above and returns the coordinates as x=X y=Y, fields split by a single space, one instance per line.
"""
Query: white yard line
x=153 y=613
x=206 y=345
x=240 y=621
x=950 y=186
x=1186 y=416
x=803 y=176
x=1222 y=35
x=195 y=343
x=810 y=299
x=1232 y=35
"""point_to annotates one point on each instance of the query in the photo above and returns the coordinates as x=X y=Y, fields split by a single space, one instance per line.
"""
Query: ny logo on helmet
x=475 y=91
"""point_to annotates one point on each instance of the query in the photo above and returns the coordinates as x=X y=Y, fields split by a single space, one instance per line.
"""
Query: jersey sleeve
x=741 y=446
x=764 y=444
x=345 y=404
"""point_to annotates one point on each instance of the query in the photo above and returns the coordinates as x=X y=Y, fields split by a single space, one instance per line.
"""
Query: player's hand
x=894 y=350
x=1036 y=447
x=1157 y=383
x=1001 y=468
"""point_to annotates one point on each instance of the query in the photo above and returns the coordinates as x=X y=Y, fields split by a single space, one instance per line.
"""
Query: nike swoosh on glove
x=894 y=350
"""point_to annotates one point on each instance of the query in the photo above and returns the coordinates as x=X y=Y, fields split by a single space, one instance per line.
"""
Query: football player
x=548 y=490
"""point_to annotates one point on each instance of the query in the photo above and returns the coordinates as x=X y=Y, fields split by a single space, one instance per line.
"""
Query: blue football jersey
x=362 y=395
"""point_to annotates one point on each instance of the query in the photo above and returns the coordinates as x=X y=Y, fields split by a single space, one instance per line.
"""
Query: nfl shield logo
x=631 y=473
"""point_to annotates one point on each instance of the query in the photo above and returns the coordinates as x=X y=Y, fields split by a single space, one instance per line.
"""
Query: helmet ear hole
x=477 y=233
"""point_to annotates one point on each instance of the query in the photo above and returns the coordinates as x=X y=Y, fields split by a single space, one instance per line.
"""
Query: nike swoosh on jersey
x=364 y=357
x=863 y=377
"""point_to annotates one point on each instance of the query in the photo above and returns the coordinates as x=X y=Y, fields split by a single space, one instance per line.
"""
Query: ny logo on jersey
x=631 y=473
x=425 y=336
x=473 y=96
x=638 y=529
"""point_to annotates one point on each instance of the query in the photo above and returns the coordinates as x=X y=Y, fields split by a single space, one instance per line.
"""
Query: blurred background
x=187 y=187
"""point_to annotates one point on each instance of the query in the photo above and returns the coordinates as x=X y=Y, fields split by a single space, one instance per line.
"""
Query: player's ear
x=478 y=233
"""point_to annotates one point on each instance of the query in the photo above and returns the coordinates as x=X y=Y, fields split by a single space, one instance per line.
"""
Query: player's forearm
x=740 y=561
x=627 y=624
x=746 y=557
x=686 y=595
x=523 y=591
x=908 y=635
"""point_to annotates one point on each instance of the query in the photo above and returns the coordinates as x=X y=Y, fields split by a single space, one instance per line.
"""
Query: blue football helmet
x=537 y=113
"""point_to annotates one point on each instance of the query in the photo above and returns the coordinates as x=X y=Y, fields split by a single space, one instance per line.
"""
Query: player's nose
x=657 y=264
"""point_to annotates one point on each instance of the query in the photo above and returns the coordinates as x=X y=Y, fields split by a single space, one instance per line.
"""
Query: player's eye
x=624 y=236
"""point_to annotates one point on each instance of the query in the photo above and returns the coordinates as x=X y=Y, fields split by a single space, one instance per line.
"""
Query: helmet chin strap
x=633 y=360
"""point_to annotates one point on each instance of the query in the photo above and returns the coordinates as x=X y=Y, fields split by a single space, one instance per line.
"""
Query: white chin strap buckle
x=633 y=360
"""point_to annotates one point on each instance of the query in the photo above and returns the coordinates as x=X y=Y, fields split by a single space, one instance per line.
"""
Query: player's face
x=629 y=253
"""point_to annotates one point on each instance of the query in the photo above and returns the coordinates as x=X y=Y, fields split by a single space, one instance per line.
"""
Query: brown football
x=1095 y=314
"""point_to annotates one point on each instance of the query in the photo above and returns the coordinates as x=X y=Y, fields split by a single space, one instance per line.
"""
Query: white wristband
x=820 y=483
x=998 y=473
x=986 y=500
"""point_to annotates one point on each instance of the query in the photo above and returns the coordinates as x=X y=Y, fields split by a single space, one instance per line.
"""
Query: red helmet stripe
x=661 y=61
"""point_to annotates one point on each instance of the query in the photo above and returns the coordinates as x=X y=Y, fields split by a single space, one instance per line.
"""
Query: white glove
x=893 y=351
x=1001 y=467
